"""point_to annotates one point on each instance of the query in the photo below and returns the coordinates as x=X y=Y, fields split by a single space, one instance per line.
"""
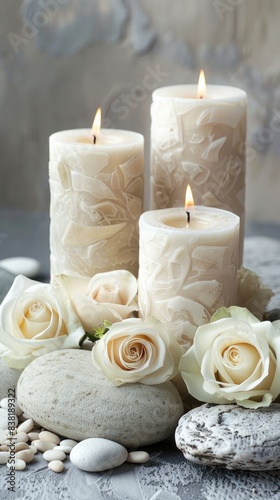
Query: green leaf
x=222 y=312
x=103 y=329
x=99 y=332
x=234 y=312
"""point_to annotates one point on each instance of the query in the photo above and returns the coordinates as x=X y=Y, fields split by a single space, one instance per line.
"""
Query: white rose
x=252 y=293
x=33 y=321
x=107 y=296
x=234 y=359
x=137 y=350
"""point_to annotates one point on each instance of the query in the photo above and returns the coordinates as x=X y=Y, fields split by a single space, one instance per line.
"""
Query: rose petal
x=243 y=368
x=62 y=330
x=265 y=401
x=30 y=329
x=240 y=313
x=125 y=281
x=20 y=360
x=37 y=312
x=240 y=361
x=109 y=293
x=234 y=360
x=259 y=373
x=92 y=297
x=191 y=374
x=137 y=350
x=70 y=284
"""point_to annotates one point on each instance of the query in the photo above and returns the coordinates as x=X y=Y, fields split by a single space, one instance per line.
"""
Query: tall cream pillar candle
x=201 y=142
x=96 y=201
x=186 y=273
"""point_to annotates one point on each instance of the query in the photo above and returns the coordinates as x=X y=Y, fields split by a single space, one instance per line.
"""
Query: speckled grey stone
x=63 y=392
x=232 y=437
x=8 y=379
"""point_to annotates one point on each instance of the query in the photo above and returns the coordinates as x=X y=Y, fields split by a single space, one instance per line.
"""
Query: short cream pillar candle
x=187 y=273
x=201 y=142
x=96 y=201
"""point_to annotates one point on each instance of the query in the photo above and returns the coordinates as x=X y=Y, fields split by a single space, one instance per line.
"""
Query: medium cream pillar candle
x=201 y=142
x=185 y=274
x=96 y=201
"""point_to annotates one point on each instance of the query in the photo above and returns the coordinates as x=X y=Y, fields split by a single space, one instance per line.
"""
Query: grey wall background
x=61 y=59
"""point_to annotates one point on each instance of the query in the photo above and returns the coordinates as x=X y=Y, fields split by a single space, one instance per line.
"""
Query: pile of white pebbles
x=20 y=442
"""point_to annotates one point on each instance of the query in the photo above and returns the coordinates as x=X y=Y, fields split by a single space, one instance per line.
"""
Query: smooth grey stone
x=8 y=380
x=21 y=265
x=64 y=393
x=232 y=437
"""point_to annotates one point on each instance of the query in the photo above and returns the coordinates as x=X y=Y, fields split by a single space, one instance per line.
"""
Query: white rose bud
x=110 y=296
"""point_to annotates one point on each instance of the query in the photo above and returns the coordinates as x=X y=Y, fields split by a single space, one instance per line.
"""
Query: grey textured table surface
x=167 y=476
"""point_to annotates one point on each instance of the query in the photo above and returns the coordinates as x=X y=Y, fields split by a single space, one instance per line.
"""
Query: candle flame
x=201 y=87
x=96 y=126
x=189 y=201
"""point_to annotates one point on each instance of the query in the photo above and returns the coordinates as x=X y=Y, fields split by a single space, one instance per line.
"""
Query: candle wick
x=94 y=139
x=188 y=218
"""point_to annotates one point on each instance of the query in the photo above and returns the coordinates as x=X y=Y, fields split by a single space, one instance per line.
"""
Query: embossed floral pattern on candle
x=185 y=275
x=198 y=145
x=199 y=142
x=96 y=201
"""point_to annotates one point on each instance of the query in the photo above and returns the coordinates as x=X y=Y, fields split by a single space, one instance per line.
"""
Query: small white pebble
x=37 y=431
x=4 y=457
x=18 y=464
x=138 y=457
x=49 y=436
x=66 y=449
x=2 y=435
x=12 y=405
x=33 y=448
x=43 y=445
x=9 y=441
x=5 y=417
x=26 y=455
x=21 y=437
x=56 y=466
x=51 y=455
x=26 y=426
x=21 y=446
x=33 y=435
x=68 y=442
x=10 y=436
x=4 y=447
